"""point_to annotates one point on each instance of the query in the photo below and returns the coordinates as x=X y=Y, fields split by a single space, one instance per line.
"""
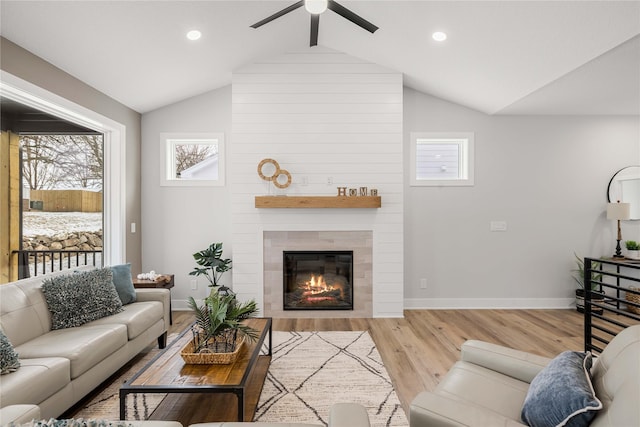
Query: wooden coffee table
x=168 y=373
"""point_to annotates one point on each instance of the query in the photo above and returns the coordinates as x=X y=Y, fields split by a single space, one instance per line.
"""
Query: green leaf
x=221 y=313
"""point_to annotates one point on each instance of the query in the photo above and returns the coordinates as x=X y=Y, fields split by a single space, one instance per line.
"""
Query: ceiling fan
x=315 y=8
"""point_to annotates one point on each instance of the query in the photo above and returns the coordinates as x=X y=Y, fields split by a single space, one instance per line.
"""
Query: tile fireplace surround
x=360 y=242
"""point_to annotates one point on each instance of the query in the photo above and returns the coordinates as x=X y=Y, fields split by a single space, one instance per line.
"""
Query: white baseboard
x=460 y=303
x=488 y=303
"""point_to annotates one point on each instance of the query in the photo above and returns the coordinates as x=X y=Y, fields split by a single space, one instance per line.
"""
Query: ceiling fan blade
x=279 y=14
x=315 y=23
x=347 y=14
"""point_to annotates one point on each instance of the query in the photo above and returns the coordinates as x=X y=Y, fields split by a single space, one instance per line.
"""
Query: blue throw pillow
x=562 y=394
x=124 y=283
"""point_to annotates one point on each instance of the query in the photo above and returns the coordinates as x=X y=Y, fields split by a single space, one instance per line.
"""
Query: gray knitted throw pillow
x=8 y=357
x=75 y=299
x=71 y=422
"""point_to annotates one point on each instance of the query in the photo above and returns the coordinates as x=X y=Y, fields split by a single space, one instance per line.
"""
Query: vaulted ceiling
x=500 y=57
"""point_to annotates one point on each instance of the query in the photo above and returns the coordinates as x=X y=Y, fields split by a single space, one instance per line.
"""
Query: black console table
x=619 y=278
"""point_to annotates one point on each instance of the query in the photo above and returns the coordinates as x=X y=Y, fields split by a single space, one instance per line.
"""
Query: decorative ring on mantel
x=276 y=172
x=276 y=180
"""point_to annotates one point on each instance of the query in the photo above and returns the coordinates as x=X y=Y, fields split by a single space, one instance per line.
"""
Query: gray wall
x=179 y=221
x=23 y=64
x=546 y=176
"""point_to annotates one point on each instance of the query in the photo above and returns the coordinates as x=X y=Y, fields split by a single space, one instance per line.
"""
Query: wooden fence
x=67 y=200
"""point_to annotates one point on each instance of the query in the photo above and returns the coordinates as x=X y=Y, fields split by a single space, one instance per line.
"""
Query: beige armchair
x=489 y=385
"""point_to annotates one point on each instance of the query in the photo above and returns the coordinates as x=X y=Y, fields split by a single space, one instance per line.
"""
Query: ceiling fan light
x=315 y=7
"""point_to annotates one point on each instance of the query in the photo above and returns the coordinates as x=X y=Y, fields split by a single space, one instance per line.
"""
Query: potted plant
x=579 y=277
x=633 y=249
x=218 y=332
x=212 y=265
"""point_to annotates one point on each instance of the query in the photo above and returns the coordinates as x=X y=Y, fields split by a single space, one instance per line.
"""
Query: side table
x=164 y=281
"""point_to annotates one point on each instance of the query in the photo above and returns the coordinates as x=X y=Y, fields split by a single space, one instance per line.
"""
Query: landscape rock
x=84 y=240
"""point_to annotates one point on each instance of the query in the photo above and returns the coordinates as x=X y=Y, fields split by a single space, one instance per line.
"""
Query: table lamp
x=619 y=212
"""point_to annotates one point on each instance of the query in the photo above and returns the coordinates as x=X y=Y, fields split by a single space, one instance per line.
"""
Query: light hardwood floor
x=419 y=349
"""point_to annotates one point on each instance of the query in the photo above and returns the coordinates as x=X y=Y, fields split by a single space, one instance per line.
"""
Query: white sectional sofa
x=59 y=367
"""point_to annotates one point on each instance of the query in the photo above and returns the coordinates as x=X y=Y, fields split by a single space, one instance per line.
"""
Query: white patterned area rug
x=104 y=403
x=310 y=371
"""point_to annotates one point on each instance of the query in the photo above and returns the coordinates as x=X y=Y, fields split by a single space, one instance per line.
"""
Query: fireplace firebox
x=318 y=280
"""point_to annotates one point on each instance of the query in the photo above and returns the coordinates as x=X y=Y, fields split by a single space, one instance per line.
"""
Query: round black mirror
x=625 y=187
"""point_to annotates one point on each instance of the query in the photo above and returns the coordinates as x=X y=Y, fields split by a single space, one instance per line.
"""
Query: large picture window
x=192 y=159
x=442 y=159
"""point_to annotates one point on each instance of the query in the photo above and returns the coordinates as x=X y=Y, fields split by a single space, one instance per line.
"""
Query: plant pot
x=595 y=298
x=210 y=358
x=633 y=254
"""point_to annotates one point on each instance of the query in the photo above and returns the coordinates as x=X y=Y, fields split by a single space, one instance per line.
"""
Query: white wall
x=319 y=113
x=546 y=176
x=179 y=221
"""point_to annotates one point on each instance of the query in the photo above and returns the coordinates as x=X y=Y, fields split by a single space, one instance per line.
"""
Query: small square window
x=192 y=159
x=441 y=159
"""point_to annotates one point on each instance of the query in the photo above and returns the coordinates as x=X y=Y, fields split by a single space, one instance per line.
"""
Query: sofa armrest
x=434 y=410
x=19 y=414
x=157 y=294
x=517 y=364
x=348 y=415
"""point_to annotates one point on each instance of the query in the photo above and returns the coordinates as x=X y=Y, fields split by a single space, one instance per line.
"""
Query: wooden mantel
x=339 y=202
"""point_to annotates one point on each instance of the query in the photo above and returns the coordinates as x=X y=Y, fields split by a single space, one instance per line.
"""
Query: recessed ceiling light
x=439 y=36
x=194 y=35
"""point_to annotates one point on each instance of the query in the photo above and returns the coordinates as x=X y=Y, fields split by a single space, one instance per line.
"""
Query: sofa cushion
x=137 y=317
x=469 y=383
x=75 y=299
x=562 y=393
x=23 y=310
x=124 y=283
x=35 y=381
x=9 y=361
x=85 y=346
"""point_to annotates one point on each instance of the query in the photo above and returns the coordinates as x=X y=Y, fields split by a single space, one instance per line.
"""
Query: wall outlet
x=498 y=225
x=423 y=283
x=194 y=284
x=304 y=180
x=329 y=180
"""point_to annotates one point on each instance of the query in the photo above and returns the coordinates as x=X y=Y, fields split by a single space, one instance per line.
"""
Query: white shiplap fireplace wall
x=322 y=115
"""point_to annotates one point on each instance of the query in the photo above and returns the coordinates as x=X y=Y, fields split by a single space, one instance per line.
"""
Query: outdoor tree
x=38 y=162
x=62 y=161
x=187 y=155
x=81 y=160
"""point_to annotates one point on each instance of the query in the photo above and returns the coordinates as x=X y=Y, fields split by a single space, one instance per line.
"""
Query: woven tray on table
x=635 y=298
x=210 y=358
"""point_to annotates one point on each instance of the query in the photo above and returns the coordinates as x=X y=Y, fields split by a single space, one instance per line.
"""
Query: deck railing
x=32 y=262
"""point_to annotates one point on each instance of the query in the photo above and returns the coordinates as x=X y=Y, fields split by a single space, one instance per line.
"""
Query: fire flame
x=315 y=289
x=317 y=285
